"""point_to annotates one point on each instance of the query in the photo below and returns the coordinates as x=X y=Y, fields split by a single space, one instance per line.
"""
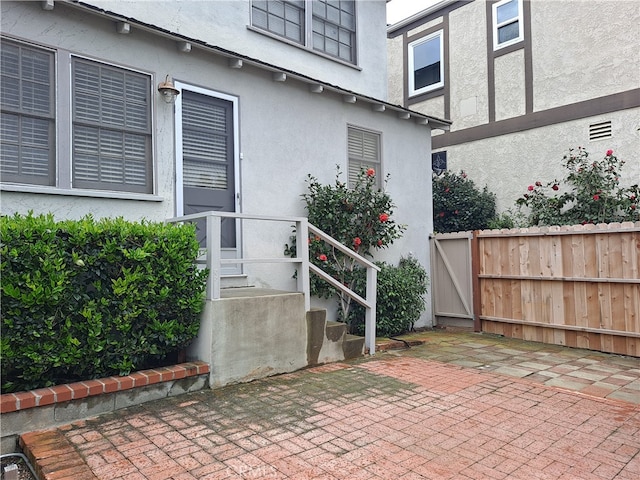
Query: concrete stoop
x=329 y=341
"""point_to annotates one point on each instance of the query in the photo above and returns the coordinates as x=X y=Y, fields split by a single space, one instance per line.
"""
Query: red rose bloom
x=357 y=241
x=379 y=243
x=530 y=188
x=555 y=187
x=322 y=258
x=446 y=190
x=596 y=197
x=371 y=172
x=538 y=184
x=441 y=214
x=609 y=153
x=383 y=217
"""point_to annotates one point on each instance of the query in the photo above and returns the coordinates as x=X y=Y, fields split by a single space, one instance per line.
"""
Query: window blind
x=27 y=130
x=364 y=153
x=111 y=128
x=204 y=142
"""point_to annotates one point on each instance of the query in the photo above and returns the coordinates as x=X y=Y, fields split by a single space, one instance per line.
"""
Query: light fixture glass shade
x=168 y=90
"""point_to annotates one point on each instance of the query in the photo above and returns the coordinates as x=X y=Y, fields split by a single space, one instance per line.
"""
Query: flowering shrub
x=458 y=205
x=589 y=194
x=358 y=217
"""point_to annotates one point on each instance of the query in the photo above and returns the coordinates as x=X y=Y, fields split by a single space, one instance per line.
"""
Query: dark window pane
x=508 y=32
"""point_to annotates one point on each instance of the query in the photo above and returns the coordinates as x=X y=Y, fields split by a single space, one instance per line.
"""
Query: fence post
x=475 y=279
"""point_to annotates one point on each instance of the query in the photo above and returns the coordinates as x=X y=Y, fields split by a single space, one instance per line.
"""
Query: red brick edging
x=13 y=402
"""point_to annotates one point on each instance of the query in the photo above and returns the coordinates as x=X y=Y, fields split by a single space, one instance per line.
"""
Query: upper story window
x=28 y=121
x=103 y=123
x=327 y=26
x=507 y=23
x=364 y=153
x=426 y=65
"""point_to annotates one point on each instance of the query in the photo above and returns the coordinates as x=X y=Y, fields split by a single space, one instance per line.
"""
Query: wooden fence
x=577 y=286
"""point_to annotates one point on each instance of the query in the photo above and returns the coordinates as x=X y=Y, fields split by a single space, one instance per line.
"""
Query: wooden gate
x=451 y=279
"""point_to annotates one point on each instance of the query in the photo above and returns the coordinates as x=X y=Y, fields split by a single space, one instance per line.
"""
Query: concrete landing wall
x=251 y=334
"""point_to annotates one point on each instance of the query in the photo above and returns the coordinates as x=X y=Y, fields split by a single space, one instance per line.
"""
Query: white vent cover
x=600 y=130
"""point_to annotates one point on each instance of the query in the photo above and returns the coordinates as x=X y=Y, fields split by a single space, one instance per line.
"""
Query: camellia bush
x=88 y=299
x=458 y=205
x=590 y=193
x=359 y=217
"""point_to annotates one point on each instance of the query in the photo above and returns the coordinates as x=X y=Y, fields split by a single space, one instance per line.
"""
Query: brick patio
x=398 y=415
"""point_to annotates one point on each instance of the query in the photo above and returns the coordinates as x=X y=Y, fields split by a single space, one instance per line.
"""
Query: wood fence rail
x=577 y=286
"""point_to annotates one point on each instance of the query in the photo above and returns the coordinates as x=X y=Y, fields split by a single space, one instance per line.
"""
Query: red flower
x=383 y=217
x=555 y=187
x=633 y=207
x=357 y=241
x=441 y=214
x=455 y=212
x=609 y=153
x=371 y=172
x=322 y=257
x=632 y=197
x=379 y=243
x=446 y=190
x=596 y=197
x=538 y=184
x=530 y=188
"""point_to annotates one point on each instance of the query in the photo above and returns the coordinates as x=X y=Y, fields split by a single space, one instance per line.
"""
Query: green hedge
x=93 y=298
x=399 y=299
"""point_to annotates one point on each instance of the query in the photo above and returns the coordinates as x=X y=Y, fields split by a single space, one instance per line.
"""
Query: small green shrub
x=87 y=299
x=458 y=205
x=590 y=193
x=400 y=298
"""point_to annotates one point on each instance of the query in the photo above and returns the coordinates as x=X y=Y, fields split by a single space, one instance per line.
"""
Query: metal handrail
x=214 y=262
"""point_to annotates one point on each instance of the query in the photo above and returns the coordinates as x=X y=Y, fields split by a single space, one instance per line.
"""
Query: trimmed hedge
x=93 y=298
x=399 y=300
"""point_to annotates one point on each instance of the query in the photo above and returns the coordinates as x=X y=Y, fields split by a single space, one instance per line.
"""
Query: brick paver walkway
x=393 y=416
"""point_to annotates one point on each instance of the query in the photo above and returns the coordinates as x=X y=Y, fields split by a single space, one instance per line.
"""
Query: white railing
x=213 y=261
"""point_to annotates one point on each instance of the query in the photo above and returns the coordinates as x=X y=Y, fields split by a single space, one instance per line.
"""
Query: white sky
x=398 y=10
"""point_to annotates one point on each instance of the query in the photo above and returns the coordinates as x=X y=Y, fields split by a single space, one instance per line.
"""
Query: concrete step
x=335 y=331
x=352 y=346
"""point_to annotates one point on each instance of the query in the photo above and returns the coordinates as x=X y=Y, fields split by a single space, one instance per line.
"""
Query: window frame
x=412 y=91
x=307 y=31
x=62 y=163
x=362 y=161
x=22 y=113
x=104 y=127
x=519 y=19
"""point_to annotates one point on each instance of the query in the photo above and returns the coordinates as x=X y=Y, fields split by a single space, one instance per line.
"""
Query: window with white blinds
x=27 y=129
x=205 y=139
x=111 y=147
x=364 y=153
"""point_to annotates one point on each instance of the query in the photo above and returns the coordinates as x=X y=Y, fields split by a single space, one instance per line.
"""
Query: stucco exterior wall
x=510 y=86
x=395 y=71
x=285 y=133
x=468 y=67
x=598 y=55
x=227 y=24
x=508 y=164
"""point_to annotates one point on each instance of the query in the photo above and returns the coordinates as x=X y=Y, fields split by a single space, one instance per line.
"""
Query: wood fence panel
x=577 y=286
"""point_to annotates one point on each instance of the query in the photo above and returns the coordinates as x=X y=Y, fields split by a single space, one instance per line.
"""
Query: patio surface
x=460 y=406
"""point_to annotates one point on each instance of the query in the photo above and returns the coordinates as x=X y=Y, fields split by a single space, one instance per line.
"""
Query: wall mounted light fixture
x=168 y=90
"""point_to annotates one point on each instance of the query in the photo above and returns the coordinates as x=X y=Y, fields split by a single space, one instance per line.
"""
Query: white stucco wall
x=510 y=85
x=507 y=165
x=286 y=132
x=226 y=24
x=598 y=53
